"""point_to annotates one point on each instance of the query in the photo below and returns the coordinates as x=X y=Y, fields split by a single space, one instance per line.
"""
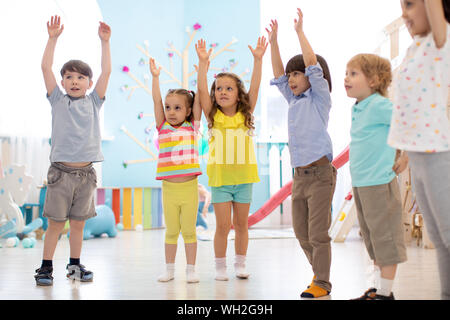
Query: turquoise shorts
x=241 y=193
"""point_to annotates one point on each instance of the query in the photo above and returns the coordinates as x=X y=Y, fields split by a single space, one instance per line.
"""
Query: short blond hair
x=374 y=68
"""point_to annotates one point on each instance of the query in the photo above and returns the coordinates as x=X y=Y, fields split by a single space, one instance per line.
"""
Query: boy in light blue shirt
x=373 y=168
x=306 y=85
x=76 y=144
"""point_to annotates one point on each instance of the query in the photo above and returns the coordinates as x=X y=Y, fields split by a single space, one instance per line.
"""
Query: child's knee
x=172 y=235
x=56 y=225
x=77 y=224
x=223 y=228
x=189 y=237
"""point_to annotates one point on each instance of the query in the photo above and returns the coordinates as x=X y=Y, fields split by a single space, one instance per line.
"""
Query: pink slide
x=285 y=192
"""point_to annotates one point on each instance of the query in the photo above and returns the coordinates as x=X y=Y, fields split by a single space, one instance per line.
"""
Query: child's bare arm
x=54 y=29
x=255 y=82
x=277 y=63
x=156 y=94
x=309 y=57
x=104 y=32
x=436 y=18
x=401 y=162
x=202 y=81
x=197 y=109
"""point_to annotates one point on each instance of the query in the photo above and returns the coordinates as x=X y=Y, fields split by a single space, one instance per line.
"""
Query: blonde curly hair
x=374 y=68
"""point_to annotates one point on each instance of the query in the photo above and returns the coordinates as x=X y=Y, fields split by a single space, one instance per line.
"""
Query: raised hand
x=298 y=23
x=207 y=67
x=260 y=49
x=155 y=71
x=200 y=47
x=273 y=32
x=54 y=27
x=104 y=31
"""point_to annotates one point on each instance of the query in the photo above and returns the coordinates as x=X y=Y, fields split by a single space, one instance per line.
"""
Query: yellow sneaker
x=314 y=291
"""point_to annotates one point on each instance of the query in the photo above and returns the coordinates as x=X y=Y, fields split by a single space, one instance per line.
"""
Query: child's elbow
x=439 y=42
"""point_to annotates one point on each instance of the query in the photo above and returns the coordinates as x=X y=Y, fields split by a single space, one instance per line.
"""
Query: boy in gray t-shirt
x=76 y=144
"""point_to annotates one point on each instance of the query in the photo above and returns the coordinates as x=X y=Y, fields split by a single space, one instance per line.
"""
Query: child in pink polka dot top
x=420 y=125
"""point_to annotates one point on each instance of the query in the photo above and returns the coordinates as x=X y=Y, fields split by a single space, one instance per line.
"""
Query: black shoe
x=44 y=276
x=381 y=297
x=78 y=272
x=366 y=294
x=371 y=294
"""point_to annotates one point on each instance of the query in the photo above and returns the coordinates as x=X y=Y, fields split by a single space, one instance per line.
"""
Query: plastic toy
x=14 y=187
x=34 y=225
x=104 y=222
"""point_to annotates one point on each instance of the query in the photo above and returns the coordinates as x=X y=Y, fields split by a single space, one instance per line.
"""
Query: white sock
x=385 y=287
x=374 y=274
x=169 y=274
x=239 y=267
x=221 y=269
x=191 y=275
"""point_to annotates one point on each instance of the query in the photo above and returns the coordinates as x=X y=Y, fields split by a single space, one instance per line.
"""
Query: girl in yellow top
x=231 y=167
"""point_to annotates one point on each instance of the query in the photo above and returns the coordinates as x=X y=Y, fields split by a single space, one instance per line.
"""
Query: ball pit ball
x=12 y=242
x=27 y=243
x=119 y=226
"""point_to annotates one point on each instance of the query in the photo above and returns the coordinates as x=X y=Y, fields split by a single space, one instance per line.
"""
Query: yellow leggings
x=180 y=206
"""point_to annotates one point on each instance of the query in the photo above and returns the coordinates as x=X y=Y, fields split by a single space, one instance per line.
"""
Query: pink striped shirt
x=178 y=151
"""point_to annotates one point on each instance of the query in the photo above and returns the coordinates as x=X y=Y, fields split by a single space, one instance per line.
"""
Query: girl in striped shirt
x=178 y=168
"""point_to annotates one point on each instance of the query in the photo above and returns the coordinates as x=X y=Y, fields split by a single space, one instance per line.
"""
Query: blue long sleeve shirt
x=308 y=118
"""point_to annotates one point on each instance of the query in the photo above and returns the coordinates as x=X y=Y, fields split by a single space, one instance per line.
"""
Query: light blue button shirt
x=371 y=158
x=308 y=118
x=75 y=127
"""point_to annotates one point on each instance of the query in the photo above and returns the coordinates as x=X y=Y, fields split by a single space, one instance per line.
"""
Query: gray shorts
x=379 y=211
x=70 y=193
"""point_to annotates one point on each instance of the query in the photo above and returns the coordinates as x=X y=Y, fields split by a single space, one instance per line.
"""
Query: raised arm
x=436 y=18
x=309 y=57
x=197 y=110
x=104 y=32
x=202 y=81
x=277 y=63
x=255 y=82
x=54 y=29
x=156 y=94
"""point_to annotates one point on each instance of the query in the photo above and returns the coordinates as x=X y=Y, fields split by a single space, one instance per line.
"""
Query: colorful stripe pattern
x=178 y=151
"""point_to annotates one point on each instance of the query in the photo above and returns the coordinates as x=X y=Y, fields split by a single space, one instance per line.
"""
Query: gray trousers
x=430 y=176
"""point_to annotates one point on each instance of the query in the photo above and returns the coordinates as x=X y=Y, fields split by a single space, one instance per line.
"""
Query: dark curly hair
x=243 y=103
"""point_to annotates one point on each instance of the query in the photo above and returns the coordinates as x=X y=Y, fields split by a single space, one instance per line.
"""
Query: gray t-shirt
x=75 y=127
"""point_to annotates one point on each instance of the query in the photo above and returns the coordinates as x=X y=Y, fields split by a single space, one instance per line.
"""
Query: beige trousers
x=312 y=195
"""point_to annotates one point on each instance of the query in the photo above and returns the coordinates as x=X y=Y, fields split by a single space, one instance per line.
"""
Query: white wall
x=24 y=109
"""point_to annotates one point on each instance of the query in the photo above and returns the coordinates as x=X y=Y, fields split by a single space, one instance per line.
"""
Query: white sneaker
x=241 y=272
x=221 y=274
x=191 y=275
x=166 y=277
x=169 y=275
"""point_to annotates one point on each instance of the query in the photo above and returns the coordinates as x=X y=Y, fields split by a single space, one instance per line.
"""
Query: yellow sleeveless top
x=231 y=158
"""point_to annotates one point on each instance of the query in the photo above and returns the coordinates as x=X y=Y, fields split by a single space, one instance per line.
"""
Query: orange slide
x=286 y=191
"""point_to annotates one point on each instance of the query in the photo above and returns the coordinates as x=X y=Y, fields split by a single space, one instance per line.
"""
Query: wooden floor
x=127 y=267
